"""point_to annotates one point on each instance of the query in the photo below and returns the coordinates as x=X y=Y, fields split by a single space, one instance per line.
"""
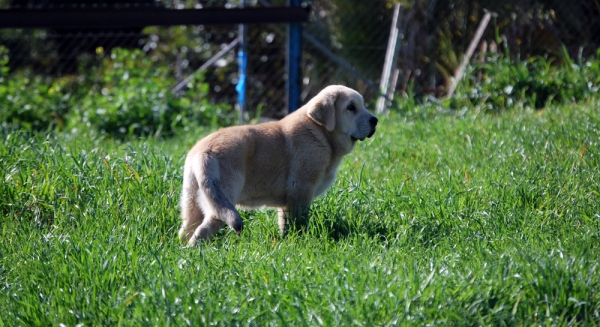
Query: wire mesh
x=434 y=35
x=344 y=42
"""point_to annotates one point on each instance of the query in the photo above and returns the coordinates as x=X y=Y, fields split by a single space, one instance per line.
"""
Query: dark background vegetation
x=119 y=81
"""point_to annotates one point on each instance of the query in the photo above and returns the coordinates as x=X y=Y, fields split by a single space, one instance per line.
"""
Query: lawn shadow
x=338 y=227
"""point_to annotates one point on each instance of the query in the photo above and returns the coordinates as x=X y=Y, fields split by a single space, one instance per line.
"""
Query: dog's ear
x=322 y=110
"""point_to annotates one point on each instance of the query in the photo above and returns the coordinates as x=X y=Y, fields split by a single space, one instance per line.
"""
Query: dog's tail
x=212 y=196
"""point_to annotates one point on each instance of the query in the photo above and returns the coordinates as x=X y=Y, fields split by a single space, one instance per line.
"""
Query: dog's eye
x=351 y=108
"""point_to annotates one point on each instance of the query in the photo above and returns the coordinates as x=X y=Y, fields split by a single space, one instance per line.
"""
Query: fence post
x=474 y=42
x=390 y=60
x=294 y=61
x=242 y=62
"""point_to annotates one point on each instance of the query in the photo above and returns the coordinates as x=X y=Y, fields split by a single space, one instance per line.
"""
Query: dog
x=281 y=164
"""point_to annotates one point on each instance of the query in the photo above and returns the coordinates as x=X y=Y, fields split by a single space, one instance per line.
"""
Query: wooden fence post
x=390 y=60
x=470 y=50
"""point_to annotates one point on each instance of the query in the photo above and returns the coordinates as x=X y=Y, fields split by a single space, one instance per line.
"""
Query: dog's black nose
x=373 y=120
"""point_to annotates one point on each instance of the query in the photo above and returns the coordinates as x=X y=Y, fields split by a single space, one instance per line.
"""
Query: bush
x=134 y=98
x=502 y=83
x=128 y=95
x=35 y=103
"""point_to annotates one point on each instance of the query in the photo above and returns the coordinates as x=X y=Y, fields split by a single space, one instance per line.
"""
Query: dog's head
x=342 y=110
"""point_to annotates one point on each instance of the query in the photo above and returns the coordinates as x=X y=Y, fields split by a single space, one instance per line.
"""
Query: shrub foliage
x=128 y=95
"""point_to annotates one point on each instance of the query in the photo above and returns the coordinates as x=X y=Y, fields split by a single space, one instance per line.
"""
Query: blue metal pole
x=242 y=62
x=294 y=61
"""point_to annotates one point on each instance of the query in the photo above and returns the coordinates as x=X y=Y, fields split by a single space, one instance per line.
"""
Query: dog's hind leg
x=191 y=213
x=214 y=220
x=209 y=227
x=214 y=200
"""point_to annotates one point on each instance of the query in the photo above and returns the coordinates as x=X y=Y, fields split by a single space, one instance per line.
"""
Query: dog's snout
x=373 y=121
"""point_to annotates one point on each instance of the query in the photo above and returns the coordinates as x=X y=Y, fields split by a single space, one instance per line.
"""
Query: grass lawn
x=439 y=219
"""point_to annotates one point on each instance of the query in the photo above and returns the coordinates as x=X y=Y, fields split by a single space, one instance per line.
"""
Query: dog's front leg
x=294 y=215
x=282 y=220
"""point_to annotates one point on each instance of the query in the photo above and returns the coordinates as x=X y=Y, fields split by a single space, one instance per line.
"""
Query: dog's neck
x=338 y=142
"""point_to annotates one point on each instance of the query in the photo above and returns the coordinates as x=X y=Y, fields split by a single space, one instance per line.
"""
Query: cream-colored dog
x=283 y=164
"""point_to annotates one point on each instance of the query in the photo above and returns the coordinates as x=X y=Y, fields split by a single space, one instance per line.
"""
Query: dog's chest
x=325 y=184
x=328 y=178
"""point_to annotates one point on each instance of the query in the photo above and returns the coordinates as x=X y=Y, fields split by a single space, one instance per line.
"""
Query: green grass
x=473 y=219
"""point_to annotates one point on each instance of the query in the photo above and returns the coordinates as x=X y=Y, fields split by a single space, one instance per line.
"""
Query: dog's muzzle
x=372 y=123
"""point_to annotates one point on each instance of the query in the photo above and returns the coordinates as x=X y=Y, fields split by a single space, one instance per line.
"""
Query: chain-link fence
x=435 y=34
x=344 y=42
